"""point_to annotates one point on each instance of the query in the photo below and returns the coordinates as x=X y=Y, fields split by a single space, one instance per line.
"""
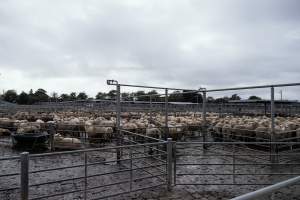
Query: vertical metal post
x=118 y=113
x=131 y=174
x=24 y=175
x=174 y=154
x=85 y=175
x=151 y=108
x=166 y=114
x=272 y=138
x=233 y=163
x=52 y=132
x=204 y=120
x=85 y=139
x=169 y=162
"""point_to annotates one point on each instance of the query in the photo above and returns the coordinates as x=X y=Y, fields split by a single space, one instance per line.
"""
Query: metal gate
x=234 y=164
x=86 y=174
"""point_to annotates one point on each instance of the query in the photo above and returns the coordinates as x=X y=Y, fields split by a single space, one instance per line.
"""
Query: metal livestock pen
x=199 y=163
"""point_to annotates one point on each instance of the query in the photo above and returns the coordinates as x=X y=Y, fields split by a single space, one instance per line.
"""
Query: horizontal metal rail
x=254 y=87
x=150 y=87
x=10 y=158
x=95 y=149
x=57 y=194
x=58 y=168
x=94 y=175
x=268 y=190
x=235 y=143
x=239 y=174
x=134 y=142
x=238 y=155
x=7 y=189
x=237 y=164
x=11 y=174
x=126 y=181
x=231 y=167
x=210 y=90
x=127 y=192
x=136 y=134
x=226 y=184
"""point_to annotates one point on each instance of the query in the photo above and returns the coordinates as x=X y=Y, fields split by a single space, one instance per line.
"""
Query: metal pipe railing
x=25 y=172
x=268 y=190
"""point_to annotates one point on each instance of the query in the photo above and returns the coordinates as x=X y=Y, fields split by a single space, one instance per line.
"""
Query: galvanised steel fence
x=269 y=190
x=89 y=173
x=225 y=164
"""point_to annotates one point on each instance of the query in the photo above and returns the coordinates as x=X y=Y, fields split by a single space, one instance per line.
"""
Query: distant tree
x=176 y=96
x=53 y=97
x=198 y=98
x=254 y=98
x=10 y=96
x=101 y=95
x=64 y=97
x=23 y=98
x=140 y=96
x=126 y=96
x=190 y=96
x=41 y=95
x=235 y=97
x=210 y=99
x=31 y=97
x=222 y=100
x=153 y=95
x=73 y=96
x=112 y=94
x=82 y=96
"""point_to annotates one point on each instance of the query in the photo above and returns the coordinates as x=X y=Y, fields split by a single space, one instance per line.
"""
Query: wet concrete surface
x=210 y=191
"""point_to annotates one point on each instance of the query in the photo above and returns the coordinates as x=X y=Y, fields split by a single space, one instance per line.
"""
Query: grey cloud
x=171 y=43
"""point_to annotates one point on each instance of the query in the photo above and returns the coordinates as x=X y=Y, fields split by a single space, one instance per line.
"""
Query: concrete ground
x=208 y=192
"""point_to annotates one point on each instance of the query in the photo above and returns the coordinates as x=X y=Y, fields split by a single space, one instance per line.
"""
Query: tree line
x=40 y=95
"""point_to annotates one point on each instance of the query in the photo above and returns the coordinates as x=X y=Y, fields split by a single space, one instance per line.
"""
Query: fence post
x=273 y=138
x=151 y=108
x=118 y=112
x=169 y=162
x=174 y=158
x=85 y=175
x=52 y=132
x=131 y=173
x=233 y=164
x=166 y=114
x=24 y=175
x=204 y=119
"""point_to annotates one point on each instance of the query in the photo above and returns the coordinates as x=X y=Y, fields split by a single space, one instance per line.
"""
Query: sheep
x=130 y=126
x=66 y=142
x=7 y=123
x=4 y=132
x=262 y=131
x=298 y=134
x=94 y=131
x=250 y=130
x=28 y=127
x=73 y=126
x=227 y=130
x=153 y=132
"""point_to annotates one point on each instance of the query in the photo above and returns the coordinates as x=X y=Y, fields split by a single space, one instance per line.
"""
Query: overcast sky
x=68 y=45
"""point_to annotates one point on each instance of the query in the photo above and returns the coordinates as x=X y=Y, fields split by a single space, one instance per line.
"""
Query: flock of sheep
x=253 y=128
x=71 y=126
